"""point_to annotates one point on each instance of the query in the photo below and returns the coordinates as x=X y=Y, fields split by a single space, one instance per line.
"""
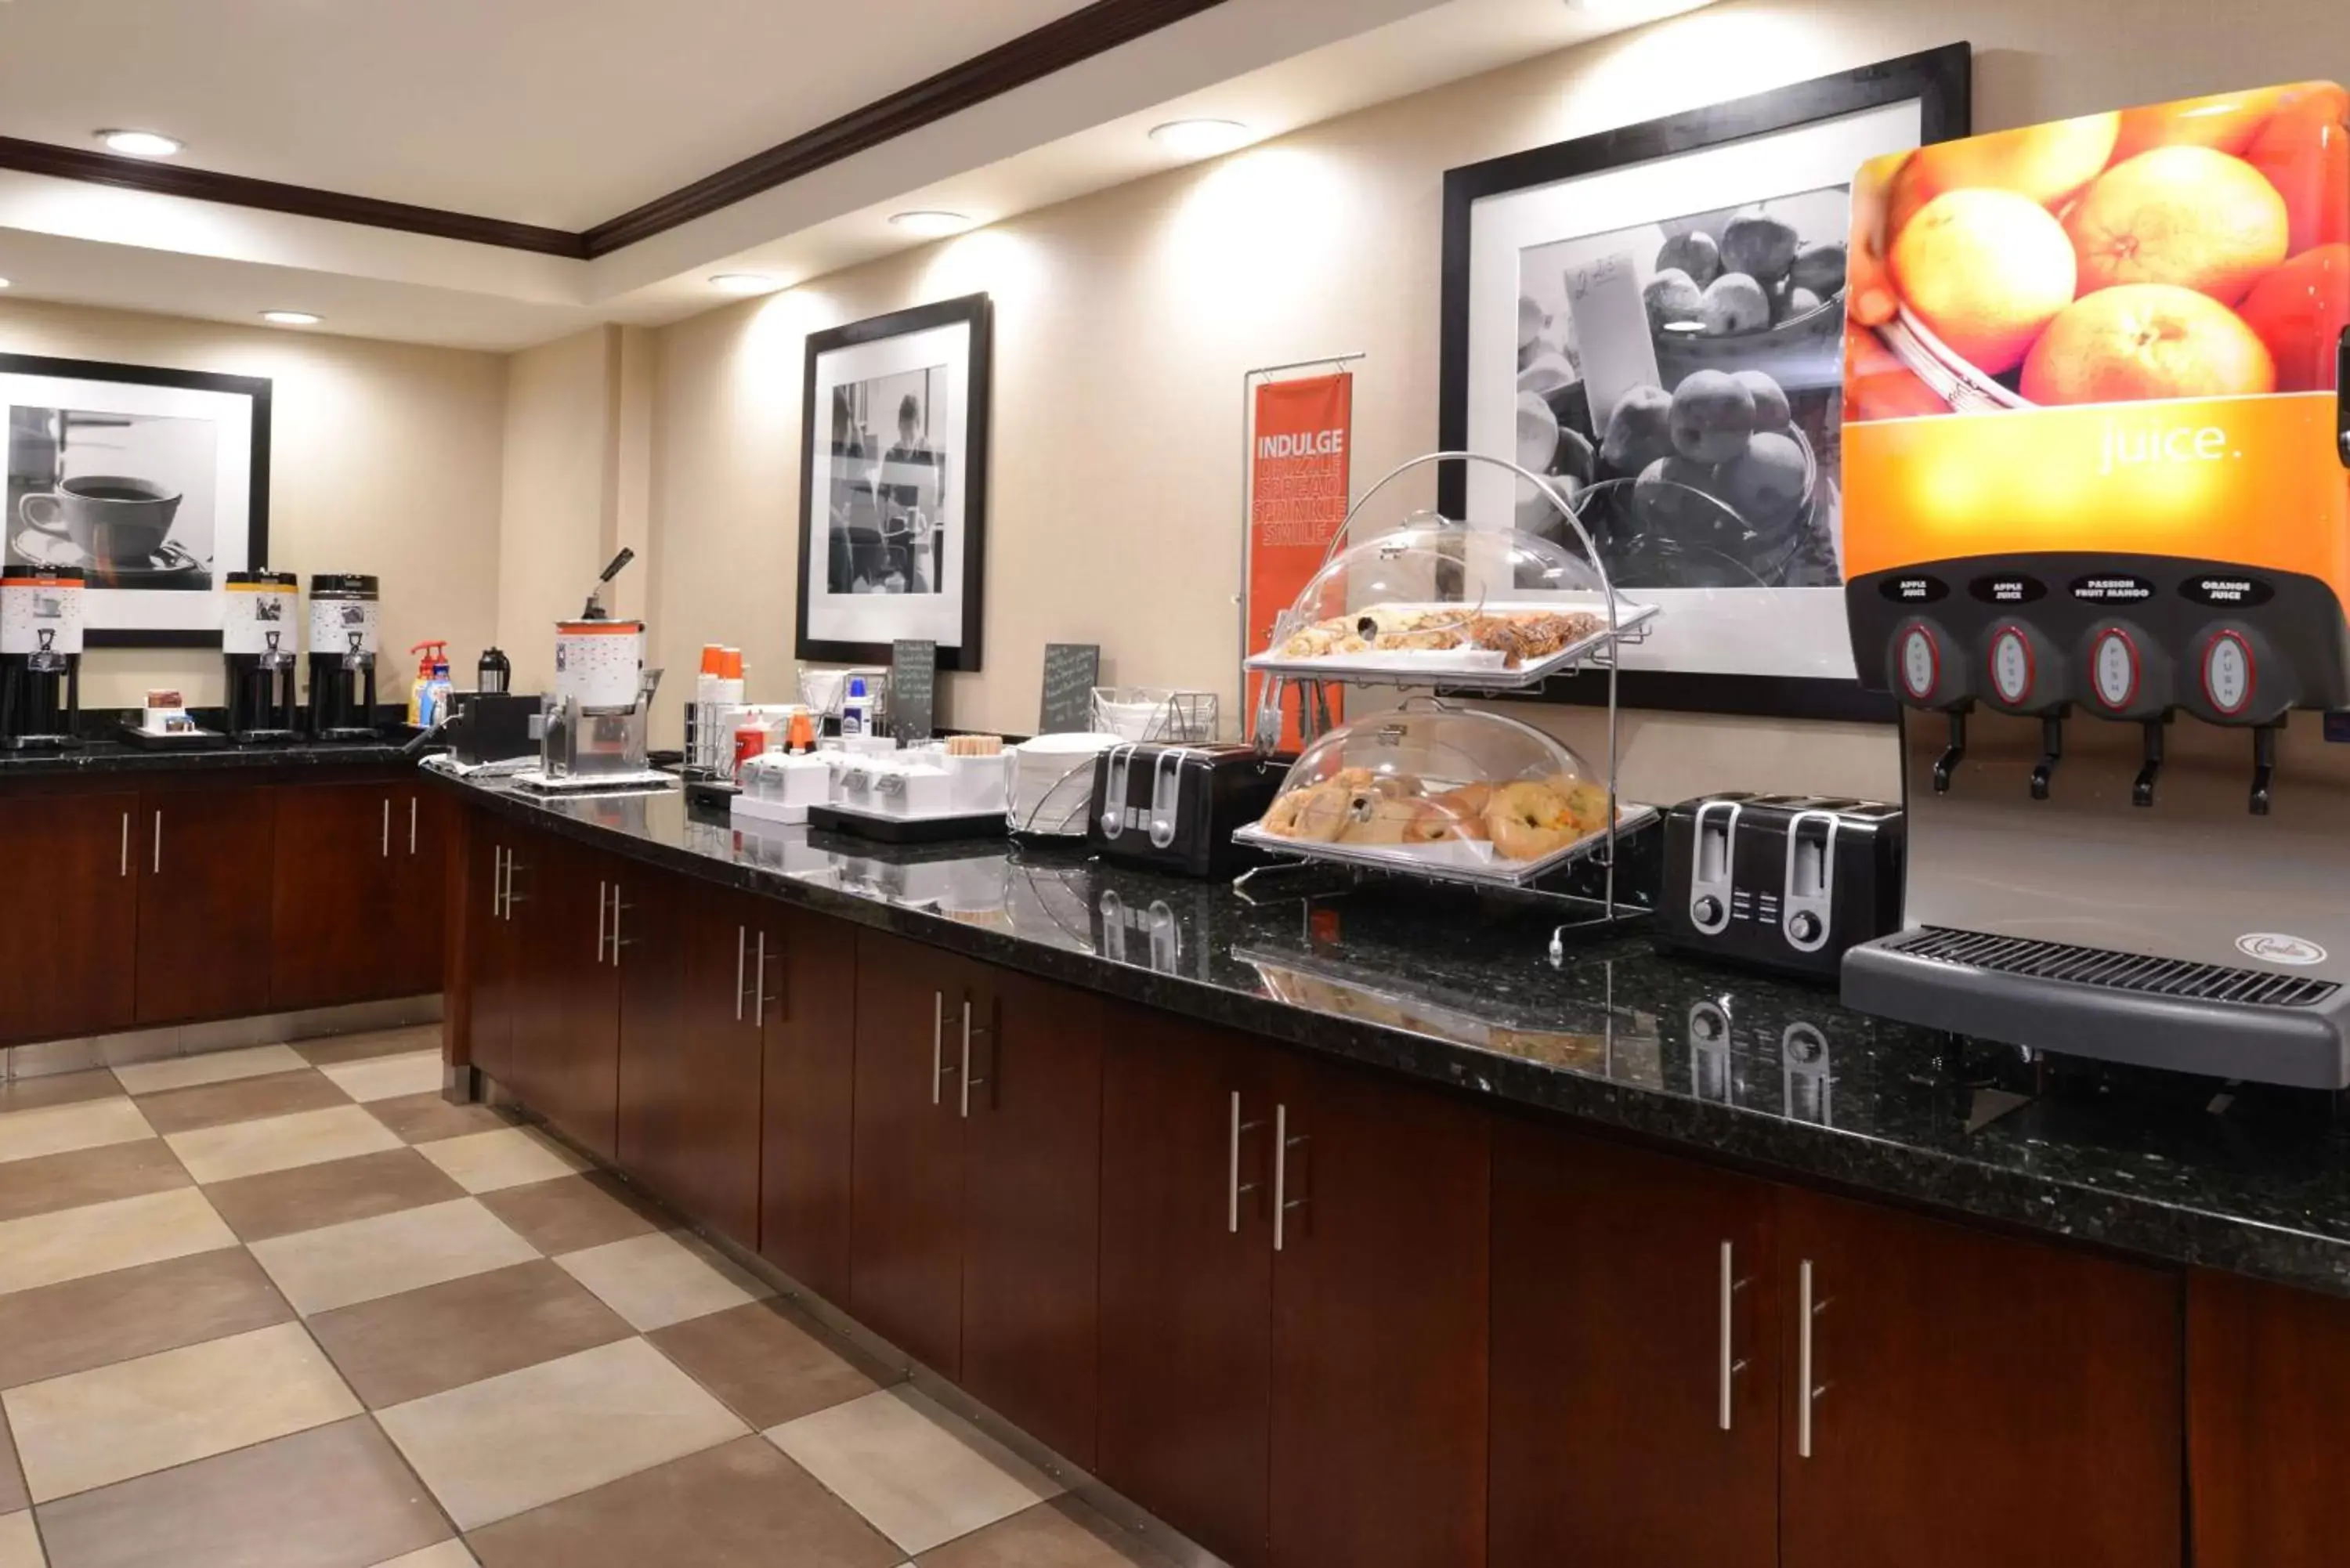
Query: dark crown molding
x=1093 y=29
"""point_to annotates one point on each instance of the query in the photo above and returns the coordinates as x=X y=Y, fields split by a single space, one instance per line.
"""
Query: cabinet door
x=1380 y=1323
x=1635 y=1401
x=807 y=1101
x=708 y=1150
x=656 y=1023
x=491 y=959
x=1032 y=1209
x=336 y=911
x=412 y=954
x=905 y=1276
x=2044 y=1382
x=567 y=1025
x=2268 y=1377
x=69 y=943
x=1187 y=1277
x=204 y=894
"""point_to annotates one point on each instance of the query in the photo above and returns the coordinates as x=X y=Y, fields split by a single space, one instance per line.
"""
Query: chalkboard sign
x=1072 y=670
x=913 y=690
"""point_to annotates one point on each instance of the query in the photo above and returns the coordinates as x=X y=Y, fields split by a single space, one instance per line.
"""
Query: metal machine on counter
x=2100 y=552
x=594 y=723
x=345 y=628
x=261 y=633
x=40 y=656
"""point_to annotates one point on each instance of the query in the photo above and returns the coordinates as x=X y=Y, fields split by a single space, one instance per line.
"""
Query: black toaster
x=1785 y=882
x=1176 y=808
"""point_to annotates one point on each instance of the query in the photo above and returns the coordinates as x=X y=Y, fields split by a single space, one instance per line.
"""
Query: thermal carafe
x=40 y=656
x=261 y=639
x=345 y=626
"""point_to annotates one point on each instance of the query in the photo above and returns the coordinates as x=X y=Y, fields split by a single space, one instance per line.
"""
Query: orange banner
x=1299 y=465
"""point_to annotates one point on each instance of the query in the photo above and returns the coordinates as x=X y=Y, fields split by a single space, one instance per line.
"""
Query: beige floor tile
x=448 y=1555
x=363 y=1260
x=336 y=1496
x=425 y=1118
x=386 y=1077
x=1062 y=1533
x=13 y=1495
x=661 y=1279
x=280 y=1143
x=130 y=1313
x=115 y=1422
x=31 y=1094
x=20 y=1543
x=270 y=1095
x=573 y=1214
x=486 y=1161
x=398 y=1349
x=919 y=1476
x=326 y=1049
x=211 y=1067
x=58 y=1129
x=75 y=1243
x=85 y=1176
x=491 y=1449
x=770 y=1362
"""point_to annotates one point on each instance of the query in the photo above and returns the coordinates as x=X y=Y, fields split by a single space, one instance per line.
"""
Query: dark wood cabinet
x=1187 y=1277
x=564 y=1062
x=913 y=1008
x=494 y=992
x=420 y=829
x=2267 y=1377
x=807 y=1100
x=337 y=911
x=1635 y=1358
x=690 y=1049
x=2043 y=1383
x=69 y=941
x=1381 y=1234
x=203 y=860
x=1031 y=1221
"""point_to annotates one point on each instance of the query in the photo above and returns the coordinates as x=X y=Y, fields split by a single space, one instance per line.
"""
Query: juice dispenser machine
x=2097 y=545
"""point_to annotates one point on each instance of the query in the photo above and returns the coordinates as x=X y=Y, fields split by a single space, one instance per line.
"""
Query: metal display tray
x=1446 y=667
x=1398 y=860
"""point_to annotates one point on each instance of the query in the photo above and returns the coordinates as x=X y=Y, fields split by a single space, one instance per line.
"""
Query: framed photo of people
x=1653 y=318
x=893 y=485
x=154 y=483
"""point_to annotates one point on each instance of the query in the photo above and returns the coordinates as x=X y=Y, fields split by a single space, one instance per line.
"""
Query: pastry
x=1316 y=813
x=1442 y=821
x=1372 y=818
x=1529 y=820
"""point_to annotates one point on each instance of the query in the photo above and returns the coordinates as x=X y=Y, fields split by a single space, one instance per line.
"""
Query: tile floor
x=286 y=1307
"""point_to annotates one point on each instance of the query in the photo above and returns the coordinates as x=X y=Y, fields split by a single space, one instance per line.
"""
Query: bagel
x=1529 y=820
x=1469 y=800
x=1372 y=818
x=1442 y=819
x=1316 y=813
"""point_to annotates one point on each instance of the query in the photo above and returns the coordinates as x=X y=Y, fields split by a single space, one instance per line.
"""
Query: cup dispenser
x=40 y=657
x=261 y=643
x=2101 y=558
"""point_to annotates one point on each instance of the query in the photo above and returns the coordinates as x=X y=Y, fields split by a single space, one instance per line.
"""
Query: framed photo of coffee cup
x=1653 y=318
x=153 y=481
x=893 y=485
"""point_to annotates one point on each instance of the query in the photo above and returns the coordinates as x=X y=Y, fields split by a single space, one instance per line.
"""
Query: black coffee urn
x=40 y=657
x=344 y=627
x=261 y=635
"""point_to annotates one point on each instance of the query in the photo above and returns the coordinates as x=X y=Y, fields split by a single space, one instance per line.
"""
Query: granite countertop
x=107 y=756
x=1763 y=1073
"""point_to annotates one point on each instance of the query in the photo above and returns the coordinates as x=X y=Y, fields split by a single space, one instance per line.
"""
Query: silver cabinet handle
x=124 y=866
x=1234 y=1185
x=412 y=825
x=159 y=841
x=387 y=827
x=616 y=907
x=1282 y=1203
x=964 y=1087
x=738 y=974
x=759 y=984
x=497 y=882
x=937 y=1042
x=599 y=920
x=1731 y=1366
x=1805 y=1390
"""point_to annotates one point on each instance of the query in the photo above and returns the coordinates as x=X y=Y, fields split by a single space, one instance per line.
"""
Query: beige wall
x=384 y=459
x=1125 y=321
x=559 y=444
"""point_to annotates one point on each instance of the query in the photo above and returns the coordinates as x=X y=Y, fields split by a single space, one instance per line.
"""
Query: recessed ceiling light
x=3 y=283
x=291 y=318
x=930 y=223
x=745 y=282
x=1199 y=137
x=140 y=143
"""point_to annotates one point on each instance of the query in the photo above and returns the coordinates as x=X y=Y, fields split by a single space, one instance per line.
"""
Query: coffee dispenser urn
x=344 y=627
x=261 y=637
x=2101 y=558
x=40 y=657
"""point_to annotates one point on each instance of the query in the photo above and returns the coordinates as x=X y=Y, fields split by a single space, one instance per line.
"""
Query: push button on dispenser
x=2011 y=666
x=1921 y=664
x=2228 y=673
x=2113 y=669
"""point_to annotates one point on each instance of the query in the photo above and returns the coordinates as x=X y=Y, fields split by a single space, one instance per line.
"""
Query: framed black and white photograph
x=1653 y=318
x=893 y=485
x=154 y=482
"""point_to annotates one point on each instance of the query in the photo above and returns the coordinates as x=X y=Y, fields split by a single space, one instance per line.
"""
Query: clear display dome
x=1442 y=791
x=1445 y=603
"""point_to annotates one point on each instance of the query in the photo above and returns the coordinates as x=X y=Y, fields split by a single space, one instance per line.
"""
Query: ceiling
x=567 y=113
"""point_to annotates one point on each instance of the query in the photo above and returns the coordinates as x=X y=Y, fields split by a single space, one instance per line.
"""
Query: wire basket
x=1156 y=715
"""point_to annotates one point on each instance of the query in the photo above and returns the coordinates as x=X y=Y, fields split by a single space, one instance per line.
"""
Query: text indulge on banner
x=1298 y=473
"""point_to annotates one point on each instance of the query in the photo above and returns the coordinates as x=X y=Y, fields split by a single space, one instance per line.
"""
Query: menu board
x=1072 y=670
x=913 y=690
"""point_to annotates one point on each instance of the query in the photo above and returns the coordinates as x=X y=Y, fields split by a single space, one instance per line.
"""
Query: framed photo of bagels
x=152 y=482
x=1653 y=318
x=893 y=485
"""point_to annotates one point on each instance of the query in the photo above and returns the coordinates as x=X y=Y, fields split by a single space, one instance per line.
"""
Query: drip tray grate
x=2112 y=970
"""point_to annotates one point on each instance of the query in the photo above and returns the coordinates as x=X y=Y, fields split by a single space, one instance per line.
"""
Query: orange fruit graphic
x=2142 y=340
x=2299 y=311
x=2045 y=163
x=2186 y=215
x=2227 y=121
x=2305 y=151
x=1986 y=270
